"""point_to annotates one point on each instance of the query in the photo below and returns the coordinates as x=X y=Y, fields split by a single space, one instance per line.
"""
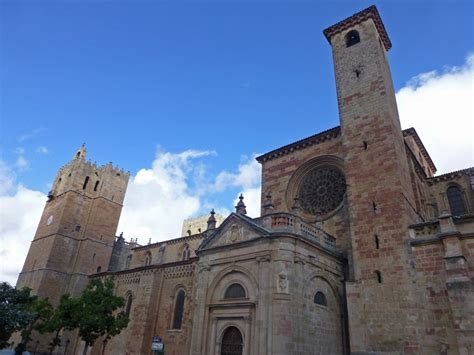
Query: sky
x=185 y=94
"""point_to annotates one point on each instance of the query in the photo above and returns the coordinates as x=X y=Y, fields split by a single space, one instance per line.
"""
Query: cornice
x=301 y=144
x=369 y=13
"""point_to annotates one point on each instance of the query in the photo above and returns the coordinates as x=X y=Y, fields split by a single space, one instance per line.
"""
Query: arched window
x=456 y=201
x=320 y=298
x=186 y=252
x=232 y=342
x=161 y=254
x=178 y=310
x=86 y=181
x=352 y=38
x=99 y=268
x=234 y=291
x=128 y=304
x=148 y=259
x=128 y=261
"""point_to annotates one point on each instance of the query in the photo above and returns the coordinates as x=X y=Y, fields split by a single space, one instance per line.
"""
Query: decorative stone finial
x=268 y=204
x=296 y=209
x=211 y=222
x=240 y=208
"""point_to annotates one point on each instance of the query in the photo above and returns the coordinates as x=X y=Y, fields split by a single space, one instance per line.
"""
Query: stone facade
x=359 y=249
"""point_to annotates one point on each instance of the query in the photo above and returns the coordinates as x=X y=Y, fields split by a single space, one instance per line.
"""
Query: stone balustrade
x=289 y=223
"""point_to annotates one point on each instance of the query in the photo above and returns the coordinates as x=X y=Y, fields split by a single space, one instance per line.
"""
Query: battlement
x=94 y=165
x=90 y=179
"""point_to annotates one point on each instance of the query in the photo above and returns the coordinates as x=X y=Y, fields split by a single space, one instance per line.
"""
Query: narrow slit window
x=86 y=181
x=128 y=306
x=96 y=185
x=375 y=207
x=377 y=243
x=378 y=274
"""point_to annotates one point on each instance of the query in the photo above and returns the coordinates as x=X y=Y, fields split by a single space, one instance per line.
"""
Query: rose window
x=322 y=190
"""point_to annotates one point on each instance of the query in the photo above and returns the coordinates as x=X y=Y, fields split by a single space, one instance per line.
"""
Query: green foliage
x=41 y=312
x=63 y=318
x=97 y=312
x=15 y=314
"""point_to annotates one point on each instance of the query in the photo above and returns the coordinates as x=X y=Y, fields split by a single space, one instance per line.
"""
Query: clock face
x=50 y=220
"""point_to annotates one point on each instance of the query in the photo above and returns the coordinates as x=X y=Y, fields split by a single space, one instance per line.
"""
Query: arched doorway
x=232 y=342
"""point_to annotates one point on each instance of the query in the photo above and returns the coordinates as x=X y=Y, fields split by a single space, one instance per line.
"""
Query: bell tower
x=380 y=294
x=77 y=229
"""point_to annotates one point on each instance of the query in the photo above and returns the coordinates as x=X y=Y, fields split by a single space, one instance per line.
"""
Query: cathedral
x=359 y=248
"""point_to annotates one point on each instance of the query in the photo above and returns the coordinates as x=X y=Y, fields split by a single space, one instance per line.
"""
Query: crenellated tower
x=76 y=232
x=380 y=296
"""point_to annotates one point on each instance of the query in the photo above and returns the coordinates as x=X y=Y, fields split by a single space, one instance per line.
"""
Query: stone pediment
x=235 y=229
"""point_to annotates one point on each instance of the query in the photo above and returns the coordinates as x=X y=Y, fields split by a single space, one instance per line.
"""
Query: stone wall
x=280 y=275
x=153 y=291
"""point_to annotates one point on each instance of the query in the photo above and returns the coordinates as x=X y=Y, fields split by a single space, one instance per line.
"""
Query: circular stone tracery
x=322 y=190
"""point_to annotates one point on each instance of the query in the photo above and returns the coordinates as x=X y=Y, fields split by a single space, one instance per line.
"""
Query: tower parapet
x=89 y=179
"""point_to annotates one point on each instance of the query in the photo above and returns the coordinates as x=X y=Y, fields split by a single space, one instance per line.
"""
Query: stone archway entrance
x=232 y=342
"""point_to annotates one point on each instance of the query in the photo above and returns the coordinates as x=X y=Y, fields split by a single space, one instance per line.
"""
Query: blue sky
x=235 y=77
x=199 y=88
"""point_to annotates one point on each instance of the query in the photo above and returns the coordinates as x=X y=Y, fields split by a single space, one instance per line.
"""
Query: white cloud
x=441 y=108
x=28 y=135
x=247 y=178
x=160 y=198
x=22 y=163
x=20 y=211
x=251 y=200
x=6 y=178
x=19 y=150
x=177 y=187
x=42 y=149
